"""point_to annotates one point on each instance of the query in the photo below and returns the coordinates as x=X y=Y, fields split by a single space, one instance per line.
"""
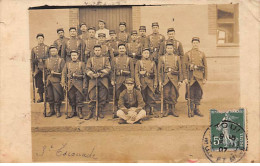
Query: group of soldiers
x=135 y=66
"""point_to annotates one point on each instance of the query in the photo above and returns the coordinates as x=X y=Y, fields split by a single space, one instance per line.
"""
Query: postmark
x=225 y=140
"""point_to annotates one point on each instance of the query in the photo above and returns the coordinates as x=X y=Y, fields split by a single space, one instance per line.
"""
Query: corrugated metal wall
x=112 y=16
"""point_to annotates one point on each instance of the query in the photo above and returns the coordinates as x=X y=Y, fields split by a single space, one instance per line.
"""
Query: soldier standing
x=105 y=50
x=54 y=66
x=146 y=80
x=142 y=37
x=122 y=68
x=90 y=42
x=122 y=35
x=113 y=43
x=38 y=55
x=155 y=40
x=170 y=77
x=98 y=67
x=84 y=32
x=61 y=40
x=75 y=71
x=134 y=47
x=102 y=29
x=73 y=43
x=196 y=72
x=130 y=104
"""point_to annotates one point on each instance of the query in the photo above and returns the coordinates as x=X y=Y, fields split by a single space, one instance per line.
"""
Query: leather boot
x=90 y=114
x=166 y=113
x=58 y=111
x=80 y=115
x=100 y=114
x=41 y=98
x=72 y=113
x=197 y=111
x=173 y=111
x=52 y=112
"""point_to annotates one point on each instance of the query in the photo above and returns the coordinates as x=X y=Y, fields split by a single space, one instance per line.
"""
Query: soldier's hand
x=113 y=83
x=186 y=81
x=204 y=81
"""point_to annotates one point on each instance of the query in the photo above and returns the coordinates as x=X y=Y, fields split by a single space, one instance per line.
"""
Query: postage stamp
x=226 y=139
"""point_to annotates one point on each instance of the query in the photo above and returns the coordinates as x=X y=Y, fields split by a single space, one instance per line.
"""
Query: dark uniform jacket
x=128 y=100
x=90 y=43
x=120 y=64
x=113 y=44
x=83 y=36
x=38 y=55
x=75 y=71
x=197 y=59
x=170 y=70
x=101 y=65
x=154 y=42
x=150 y=77
x=59 y=43
x=134 y=50
x=123 y=37
x=178 y=49
x=144 y=41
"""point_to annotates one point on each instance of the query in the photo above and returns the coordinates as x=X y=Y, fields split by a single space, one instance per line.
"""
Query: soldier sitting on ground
x=130 y=104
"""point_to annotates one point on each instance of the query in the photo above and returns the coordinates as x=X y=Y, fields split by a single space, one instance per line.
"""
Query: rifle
x=114 y=93
x=33 y=88
x=45 y=89
x=66 y=94
x=161 y=113
x=96 y=99
x=188 y=97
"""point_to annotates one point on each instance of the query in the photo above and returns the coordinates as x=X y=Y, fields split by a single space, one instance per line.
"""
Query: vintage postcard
x=130 y=81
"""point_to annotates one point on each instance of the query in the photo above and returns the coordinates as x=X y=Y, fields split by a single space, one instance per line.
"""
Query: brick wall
x=136 y=17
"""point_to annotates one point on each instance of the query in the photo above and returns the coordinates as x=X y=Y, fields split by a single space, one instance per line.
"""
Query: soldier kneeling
x=130 y=104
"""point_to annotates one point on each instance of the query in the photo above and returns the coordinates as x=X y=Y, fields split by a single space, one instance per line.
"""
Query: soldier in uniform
x=130 y=104
x=102 y=29
x=178 y=49
x=54 y=66
x=90 y=42
x=74 y=70
x=122 y=68
x=39 y=54
x=84 y=32
x=122 y=35
x=142 y=37
x=98 y=67
x=154 y=40
x=146 y=80
x=134 y=47
x=73 y=43
x=170 y=77
x=113 y=42
x=105 y=50
x=61 y=40
x=195 y=66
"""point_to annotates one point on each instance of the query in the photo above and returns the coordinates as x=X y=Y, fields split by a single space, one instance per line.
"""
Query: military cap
x=146 y=48
x=100 y=20
x=155 y=24
x=170 y=30
x=97 y=45
x=52 y=46
x=142 y=28
x=122 y=23
x=60 y=29
x=112 y=32
x=39 y=34
x=133 y=32
x=72 y=28
x=121 y=44
x=169 y=43
x=82 y=24
x=129 y=81
x=101 y=35
x=195 y=39
x=91 y=28
x=73 y=51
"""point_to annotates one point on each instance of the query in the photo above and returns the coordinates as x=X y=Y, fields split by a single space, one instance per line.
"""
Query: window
x=227 y=25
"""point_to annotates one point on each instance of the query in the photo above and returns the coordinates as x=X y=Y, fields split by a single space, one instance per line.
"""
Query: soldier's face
x=122 y=28
x=113 y=36
x=53 y=52
x=155 y=29
x=83 y=28
x=101 y=25
x=101 y=39
x=171 y=35
x=134 y=36
x=91 y=32
x=121 y=49
x=61 y=34
x=146 y=54
x=129 y=86
x=73 y=33
x=74 y=56
x=169 y=49
x=97 y=51
x=40 y=39
x=142 y=32
x=195 y=44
